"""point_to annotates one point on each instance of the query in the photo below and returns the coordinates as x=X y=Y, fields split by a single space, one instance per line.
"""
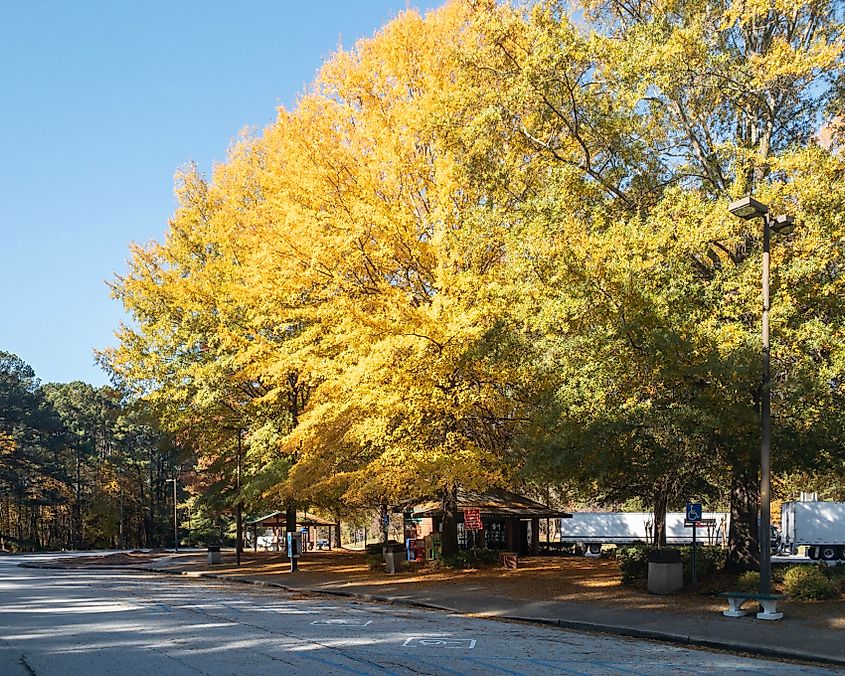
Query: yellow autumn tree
x=420 y=379
x=336 y=270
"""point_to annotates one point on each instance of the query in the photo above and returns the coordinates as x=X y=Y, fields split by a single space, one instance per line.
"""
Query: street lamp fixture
x=783 y=224
x=748 y=208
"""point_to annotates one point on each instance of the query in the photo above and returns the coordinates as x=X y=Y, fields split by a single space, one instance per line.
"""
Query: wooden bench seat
x=767 y=601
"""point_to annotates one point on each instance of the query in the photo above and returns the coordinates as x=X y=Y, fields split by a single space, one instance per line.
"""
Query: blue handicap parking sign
x=693 y=511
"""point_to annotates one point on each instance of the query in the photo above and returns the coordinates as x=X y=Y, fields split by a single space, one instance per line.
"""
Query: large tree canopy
x=490 y=245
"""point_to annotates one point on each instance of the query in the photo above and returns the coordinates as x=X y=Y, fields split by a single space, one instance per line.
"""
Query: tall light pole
x=748 y=208
x=175 y=517
x=239 y=528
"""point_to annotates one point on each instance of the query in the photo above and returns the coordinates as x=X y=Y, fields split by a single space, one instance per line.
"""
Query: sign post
x=694 y=518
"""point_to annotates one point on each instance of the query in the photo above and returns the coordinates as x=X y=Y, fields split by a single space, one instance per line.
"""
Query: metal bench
x=767 y=601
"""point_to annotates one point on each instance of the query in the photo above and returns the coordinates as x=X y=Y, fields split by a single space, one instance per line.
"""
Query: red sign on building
x=472 y=519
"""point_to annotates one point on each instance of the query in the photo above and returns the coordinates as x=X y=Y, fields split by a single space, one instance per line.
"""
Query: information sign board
x=472 y=519
x=700 y=523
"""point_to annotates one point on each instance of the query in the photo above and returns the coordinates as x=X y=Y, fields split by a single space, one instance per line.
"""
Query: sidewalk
x=687 y=620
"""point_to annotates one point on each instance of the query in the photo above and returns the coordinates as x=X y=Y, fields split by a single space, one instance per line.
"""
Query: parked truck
x=591 y=530
x=819 y=526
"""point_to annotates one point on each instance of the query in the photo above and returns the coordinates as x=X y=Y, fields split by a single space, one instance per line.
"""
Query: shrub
x=807 y=583
x=749 y=581
x=471 y=558
x=709 y=560
x=375 y=562
x=836 y=575
x=633 y=561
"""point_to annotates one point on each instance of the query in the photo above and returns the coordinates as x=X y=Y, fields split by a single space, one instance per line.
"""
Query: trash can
x=665 y=571
x=214 y=554
x=393 y=552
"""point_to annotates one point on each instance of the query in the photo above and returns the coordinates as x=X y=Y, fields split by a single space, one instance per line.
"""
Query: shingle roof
x=494 y=502
x=279 y=519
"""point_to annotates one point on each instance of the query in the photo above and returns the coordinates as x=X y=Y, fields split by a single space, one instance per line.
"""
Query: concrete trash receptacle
x=214 y=554
x=394 y=552
x=665 y=571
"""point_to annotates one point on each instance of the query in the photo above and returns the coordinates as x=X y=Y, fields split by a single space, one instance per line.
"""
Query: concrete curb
x=578 y=625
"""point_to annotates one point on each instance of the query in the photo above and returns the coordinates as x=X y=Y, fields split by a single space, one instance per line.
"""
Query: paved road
x=121 y=622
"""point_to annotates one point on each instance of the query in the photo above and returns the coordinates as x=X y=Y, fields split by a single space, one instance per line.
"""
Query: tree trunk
x=143 y=524
x=743 y=547
x=661 y=503
x=152 y=510
x=384 y=522
x=121 y=540
x=290 y=516
x=77 y=506
x=337 y=531
x=450 y=522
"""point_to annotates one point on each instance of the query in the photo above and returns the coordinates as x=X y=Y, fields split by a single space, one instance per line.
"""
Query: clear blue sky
x=101 y=103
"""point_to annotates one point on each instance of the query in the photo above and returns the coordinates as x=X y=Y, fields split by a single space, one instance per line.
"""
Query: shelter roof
x=280 y=519
x=494 y=502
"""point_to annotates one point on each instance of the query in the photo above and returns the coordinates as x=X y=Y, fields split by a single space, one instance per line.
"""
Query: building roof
x=279 y=519
x=494 y=502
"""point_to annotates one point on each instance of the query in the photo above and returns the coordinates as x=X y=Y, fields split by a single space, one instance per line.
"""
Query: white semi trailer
x=591 y=530
x=817 y=525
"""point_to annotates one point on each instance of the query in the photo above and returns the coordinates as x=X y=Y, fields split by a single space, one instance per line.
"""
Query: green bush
x=709 y=560
x=836 y=575
x=375 y=562
x=749 y=581
x=633 y=561
x=808 y=583
x=471 y=558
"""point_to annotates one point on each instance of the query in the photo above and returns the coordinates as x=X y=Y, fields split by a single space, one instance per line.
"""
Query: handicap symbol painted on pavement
x=439 y=642
x=344 y=622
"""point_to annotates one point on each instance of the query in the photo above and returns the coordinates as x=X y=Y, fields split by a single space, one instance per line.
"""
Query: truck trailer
x=817 y=525
x=591 y=530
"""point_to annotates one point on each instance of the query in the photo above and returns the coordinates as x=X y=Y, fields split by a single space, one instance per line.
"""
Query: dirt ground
x=568 y=578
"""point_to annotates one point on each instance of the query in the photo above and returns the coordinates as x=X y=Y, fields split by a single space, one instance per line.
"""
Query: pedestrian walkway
x=791 y=637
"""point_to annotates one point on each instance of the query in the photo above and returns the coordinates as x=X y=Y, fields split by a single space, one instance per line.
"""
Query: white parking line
x=440 y=642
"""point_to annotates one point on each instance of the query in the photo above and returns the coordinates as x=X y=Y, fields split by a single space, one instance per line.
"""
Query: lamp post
x=239 y=528
x=175 y=517
x=748 y=208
